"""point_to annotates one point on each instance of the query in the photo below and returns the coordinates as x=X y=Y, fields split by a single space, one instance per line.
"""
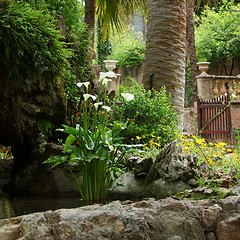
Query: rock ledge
x=167 y=219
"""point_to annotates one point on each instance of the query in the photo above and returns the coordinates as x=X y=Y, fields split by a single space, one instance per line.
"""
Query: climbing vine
x=30 y=43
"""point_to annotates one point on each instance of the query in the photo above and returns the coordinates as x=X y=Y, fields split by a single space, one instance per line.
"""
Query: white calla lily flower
x=86 y=96
x=85 y=84
x=105 y=81
x=109 y=74
x=127 y=96
x=96 y=105
x=107 y=108
x=102 y=75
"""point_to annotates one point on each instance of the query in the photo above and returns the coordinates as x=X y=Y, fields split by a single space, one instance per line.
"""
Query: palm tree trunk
x=166 y=49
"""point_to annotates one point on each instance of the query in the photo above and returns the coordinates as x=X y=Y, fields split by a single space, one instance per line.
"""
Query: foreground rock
x=167 y=219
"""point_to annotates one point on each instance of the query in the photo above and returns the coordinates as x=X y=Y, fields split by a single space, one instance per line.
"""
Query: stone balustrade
x=211 y=86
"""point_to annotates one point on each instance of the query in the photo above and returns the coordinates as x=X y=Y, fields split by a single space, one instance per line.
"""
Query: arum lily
x=109 y=74
x=107 y=108
x=96 y=105
x=94 y=144
x=102 y=75
x=86 y=96
x=127 y=96
x=85 y=84
x=105 y=81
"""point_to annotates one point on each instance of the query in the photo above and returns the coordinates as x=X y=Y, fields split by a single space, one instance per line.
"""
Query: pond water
x=16 y=206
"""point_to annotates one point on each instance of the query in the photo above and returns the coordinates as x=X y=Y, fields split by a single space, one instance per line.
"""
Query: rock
x=175 y=238
x=236 y=190
x=142 y=167
x=204 y=190
x=229 y=228
x=130 y=185
x=167 y=219
x=210 y=216
x=210 y=236
x=5 y=164
x=161 y=188
x=230 y=204
x=172 y=165
x=133 y=187
x=238 y=204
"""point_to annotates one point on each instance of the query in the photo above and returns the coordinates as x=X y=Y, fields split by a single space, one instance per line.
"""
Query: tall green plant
x=93 y=144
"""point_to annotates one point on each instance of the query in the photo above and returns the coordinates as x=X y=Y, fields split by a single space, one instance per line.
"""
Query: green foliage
x=30 y=43
x=132 y=57
x=104 y=48
x=93 y=145
x=189 y=91
x=128 y=51
x=45 y=126
x=150 y=115
x=72 y=11
x=217 y=156
x=50 y=54
x=218 y=35
x=115 y=14
x=80 y=68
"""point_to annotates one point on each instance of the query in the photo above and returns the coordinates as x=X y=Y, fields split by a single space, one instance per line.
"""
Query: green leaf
x=107 y=138
x=68 y=129
x=89 y=143
x=74 y=150
x=57 y=160
x=69 y=141
x=102 y=153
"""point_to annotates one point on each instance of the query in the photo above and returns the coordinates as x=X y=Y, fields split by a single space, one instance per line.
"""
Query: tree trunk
x=90 y=21
x=191 y=49
x=166 y=49
x=90 y=14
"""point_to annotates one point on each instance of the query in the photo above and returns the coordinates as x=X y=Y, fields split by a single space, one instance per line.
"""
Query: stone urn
x=110 y=64
x=203 y=67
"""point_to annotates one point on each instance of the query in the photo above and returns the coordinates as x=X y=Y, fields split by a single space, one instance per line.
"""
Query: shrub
x=149 y=115
x=132 y=57
x=30 y=43
x=218 y=35
x=128 y=51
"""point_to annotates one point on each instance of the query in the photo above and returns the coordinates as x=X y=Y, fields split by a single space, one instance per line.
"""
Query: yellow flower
x=137 y=137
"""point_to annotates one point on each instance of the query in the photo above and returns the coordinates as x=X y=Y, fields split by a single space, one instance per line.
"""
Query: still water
x=16 y=206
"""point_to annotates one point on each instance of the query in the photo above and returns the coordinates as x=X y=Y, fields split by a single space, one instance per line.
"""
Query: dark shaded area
x=24 y=110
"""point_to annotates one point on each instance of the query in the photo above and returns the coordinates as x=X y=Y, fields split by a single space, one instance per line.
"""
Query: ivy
x=30 y=43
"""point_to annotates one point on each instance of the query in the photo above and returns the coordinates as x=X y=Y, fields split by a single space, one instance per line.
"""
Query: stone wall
x=167 y=219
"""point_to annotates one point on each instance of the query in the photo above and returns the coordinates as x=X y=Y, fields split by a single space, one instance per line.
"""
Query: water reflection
x=11 y=207
x=6 y=210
